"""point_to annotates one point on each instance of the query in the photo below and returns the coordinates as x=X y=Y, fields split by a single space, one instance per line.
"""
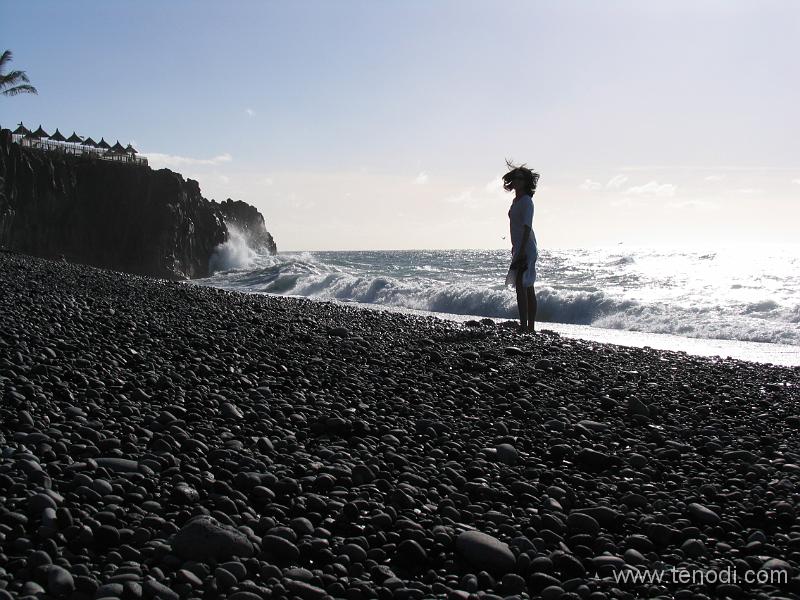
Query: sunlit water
x=745 y=294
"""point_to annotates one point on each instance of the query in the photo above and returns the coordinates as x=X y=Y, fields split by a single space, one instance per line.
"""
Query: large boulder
x=203 y=538
x=486 y=553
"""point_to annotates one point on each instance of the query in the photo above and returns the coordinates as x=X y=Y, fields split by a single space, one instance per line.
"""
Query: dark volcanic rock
x=161 y=440
x=118 y=216
x=203 y=537
x=486 y=552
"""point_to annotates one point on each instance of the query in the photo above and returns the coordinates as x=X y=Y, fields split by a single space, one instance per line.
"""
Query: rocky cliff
x=118 y=216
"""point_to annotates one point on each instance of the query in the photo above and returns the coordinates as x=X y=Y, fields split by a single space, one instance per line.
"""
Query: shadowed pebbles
x=163 y=440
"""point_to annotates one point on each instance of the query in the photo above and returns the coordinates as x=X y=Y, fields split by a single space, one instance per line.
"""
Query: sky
x=386 y=125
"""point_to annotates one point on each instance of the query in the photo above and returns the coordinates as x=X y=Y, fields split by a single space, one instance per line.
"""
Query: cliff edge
x=118 y=216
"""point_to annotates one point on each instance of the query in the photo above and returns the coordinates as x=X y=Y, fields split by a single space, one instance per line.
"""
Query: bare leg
x=522 y=304
x=531 y=308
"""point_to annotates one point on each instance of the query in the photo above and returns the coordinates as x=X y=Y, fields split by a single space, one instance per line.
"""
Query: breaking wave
x=610 y=291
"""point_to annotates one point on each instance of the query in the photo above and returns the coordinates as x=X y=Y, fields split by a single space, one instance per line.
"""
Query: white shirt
x=521 y=214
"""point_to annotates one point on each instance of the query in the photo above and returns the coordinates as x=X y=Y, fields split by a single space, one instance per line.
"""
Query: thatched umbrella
x=21 y=130
x=118 y=148
x=57 y=137
x=40 y=133
x=74 y=139
x=103 y=144
x=89 y=142
x=30 y=137
x=131 y=150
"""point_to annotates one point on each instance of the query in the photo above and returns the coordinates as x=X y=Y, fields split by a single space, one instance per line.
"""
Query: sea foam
x=644 y=292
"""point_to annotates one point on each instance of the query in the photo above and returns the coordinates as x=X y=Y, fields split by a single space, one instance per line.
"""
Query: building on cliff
x=75 y=145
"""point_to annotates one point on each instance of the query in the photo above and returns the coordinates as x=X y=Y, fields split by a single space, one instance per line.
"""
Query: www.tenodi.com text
x=701 y=576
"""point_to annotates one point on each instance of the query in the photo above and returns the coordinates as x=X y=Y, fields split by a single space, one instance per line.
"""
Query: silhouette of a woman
x=522 y=272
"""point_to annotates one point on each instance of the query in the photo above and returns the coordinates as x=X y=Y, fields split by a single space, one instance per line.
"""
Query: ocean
x=742 y=302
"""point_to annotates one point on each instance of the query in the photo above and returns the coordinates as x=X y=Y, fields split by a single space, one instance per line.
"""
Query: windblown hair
x=531 y=177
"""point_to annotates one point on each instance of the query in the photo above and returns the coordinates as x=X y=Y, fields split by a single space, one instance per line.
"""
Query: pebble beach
x=165 y=440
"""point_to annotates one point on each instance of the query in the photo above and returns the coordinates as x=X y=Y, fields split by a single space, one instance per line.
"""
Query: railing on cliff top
x=77 y=149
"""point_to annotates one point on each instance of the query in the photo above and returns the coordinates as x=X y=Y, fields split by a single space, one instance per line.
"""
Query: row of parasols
x=41 y=134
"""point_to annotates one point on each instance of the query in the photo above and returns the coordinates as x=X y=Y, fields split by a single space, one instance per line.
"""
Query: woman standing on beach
x=522 y=273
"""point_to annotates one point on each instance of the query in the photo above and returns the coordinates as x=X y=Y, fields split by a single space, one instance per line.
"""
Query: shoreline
x=758 y=352
x=186 y=442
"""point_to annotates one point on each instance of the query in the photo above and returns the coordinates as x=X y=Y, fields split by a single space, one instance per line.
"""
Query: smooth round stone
x=596 y=426
x=693 y=548
x=203 y=538
x=109 y=590
x=306 y=591
x=184 y=494
x=568 y=564
x=355 y=553
x=299 y=574
x=280 y=548
x=634 y=557
x=302 y=526
x=224 y=578
x=703 y=515
x=102 y=487
x=362 y=474
x=486 y=552
x=59 y=581
x=156 y=589
x=38 y=502
x=31 y=588
x=776 y=564
x=235 y=568
x=245 y=595
x=381 y=520
x=593 y=459
x=637 y=407
x=118 y=465
x=637 y=461
x=230 y=411
x=552 y=592
x=513 y=584
x=507 y=454
x=411 y=553
x=186 y=576
x=583 y=523
x=614 y=562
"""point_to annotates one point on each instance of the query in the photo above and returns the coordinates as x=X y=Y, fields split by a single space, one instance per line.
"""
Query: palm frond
x=20 y=89
x=13 y=78
x=5 y=58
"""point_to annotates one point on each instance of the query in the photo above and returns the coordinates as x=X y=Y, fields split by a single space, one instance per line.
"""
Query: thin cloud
x=653 y=188
x=616 y=181
x=421 y=179
x=715 y=178
x=747 y=191
x=712 y=168
x=495 y=186
x=464 y=197
x=159 y=160
x=699 y=205
x=797 y=181
x=590 y=185
x=613 y=184
x=250 y=112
